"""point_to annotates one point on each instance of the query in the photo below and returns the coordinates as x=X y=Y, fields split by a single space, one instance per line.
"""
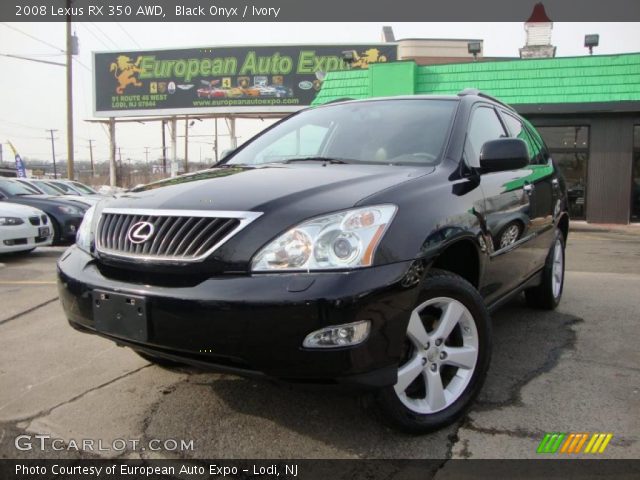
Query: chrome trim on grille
x=244 y=219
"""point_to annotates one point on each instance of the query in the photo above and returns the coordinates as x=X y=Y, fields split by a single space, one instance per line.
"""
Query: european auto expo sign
x=230 y=79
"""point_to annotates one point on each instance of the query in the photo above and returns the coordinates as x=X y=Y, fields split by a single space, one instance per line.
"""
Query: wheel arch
x=563 y=225
x=461 y=257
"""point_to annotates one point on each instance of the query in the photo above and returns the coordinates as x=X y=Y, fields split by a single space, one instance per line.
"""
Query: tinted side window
x=484 y=126
x=544 y=154
x=518 y=130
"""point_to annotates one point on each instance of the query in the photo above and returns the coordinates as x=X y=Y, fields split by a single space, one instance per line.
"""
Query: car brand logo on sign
x=305 y=85
x=140 y=232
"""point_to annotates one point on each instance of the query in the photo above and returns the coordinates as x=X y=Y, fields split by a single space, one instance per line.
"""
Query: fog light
x=338 y=335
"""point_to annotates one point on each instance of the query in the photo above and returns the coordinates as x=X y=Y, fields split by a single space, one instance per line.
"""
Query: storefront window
x=635 y=186
x=569 y=147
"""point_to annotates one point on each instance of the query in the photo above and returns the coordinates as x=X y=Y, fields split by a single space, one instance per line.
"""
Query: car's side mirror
x=503 y=154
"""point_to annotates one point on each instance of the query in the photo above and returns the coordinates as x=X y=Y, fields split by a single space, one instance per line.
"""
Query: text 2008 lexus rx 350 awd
x=360 y=243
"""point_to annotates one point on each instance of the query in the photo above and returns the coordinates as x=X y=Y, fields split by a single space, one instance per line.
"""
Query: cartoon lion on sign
x=124 y=70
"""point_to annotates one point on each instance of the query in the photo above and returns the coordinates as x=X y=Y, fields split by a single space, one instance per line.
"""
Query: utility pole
x=215 y=142
x=53 y=153
x=113 y=176
x=146 y=154
x=164 y=149
x=186 y=143
x=69 y=96
x=173 y=131
x=121 y=176
x=93 y=173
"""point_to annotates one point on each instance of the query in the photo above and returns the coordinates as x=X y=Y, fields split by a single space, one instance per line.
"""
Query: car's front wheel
x=446 y=356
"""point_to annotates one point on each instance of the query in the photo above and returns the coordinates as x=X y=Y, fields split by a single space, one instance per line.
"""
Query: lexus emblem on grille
x=140 y=232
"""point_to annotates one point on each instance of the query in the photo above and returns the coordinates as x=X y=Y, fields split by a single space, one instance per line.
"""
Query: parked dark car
x=352 y=243
x=65 y=215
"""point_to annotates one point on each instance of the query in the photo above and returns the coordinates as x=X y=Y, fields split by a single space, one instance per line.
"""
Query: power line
x=32 y=36
x=19 y=57
x=97 y=27
x=23 y=137
x=128 y=35
x=21 y=125
x=82 y=65
x=94 y=35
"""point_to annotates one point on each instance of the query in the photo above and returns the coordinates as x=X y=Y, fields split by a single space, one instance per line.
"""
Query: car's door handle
x=528 y=188
x=555 y=182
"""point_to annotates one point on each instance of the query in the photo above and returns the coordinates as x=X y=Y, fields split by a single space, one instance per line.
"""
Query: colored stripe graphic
x=572 y=443
x=551 y=442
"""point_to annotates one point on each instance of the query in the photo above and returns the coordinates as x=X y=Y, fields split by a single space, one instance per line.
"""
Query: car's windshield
x=68 y=189
x=12 y=187
x=379 y=132
x=34 y=189
x=46 y=188
x=83 y=188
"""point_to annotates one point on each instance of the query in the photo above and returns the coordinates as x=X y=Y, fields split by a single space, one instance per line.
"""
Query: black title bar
x=314 y=11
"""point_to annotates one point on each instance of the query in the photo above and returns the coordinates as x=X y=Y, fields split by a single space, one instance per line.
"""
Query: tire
x=161 y=362
x=56 y=232
x=548 y=294
x=456 y=361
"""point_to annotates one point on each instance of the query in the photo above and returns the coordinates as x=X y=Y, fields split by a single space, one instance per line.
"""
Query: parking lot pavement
x=573 y=370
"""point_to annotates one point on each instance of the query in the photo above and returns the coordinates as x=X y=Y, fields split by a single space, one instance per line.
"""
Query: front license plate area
x=120 y=315
x=43 y=231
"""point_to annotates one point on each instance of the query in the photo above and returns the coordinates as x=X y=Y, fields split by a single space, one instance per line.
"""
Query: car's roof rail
x=479 y=93
x=338 y=100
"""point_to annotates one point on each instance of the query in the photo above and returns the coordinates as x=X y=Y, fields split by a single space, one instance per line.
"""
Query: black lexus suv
x=360 y=243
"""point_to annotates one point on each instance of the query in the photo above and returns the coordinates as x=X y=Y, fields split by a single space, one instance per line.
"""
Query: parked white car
x=23 y=228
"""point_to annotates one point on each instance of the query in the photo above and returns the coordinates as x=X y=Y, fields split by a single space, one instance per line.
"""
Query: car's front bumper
x=23 y=237
x=255 y=324
x=70 y=225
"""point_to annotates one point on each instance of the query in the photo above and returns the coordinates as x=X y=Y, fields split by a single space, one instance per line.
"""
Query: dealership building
x=586 y=108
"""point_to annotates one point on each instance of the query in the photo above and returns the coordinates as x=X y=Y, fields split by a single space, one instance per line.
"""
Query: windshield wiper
x=317 y=159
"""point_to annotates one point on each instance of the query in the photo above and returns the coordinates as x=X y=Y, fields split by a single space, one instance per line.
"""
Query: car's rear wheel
x=548 y=294
x=446 y=356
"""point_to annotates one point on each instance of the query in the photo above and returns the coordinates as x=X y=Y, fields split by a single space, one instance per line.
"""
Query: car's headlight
x=84 y=235
x=70 y=210
x=8 y=221
x=346 y=239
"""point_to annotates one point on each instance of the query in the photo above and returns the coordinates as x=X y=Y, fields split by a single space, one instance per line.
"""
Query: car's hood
x=307 y=187
x=86 y=202
x=9 y=209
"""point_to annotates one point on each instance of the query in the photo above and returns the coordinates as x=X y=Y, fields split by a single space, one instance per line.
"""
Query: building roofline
x=624 y=106
x=518 y=59
x=441 y=39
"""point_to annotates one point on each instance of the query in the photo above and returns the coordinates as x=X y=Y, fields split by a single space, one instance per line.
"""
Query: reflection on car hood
x=307 y=187
x=13 y=209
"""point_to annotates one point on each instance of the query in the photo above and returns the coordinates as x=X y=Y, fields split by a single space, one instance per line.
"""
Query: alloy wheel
x=440 y=358
x=557 y=268
x=510 y=236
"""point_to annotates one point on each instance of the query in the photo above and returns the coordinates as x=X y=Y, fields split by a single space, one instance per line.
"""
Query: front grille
x=174 y=235
x=34 y=221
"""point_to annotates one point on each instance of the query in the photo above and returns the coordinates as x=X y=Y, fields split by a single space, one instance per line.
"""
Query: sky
x=33 y=98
